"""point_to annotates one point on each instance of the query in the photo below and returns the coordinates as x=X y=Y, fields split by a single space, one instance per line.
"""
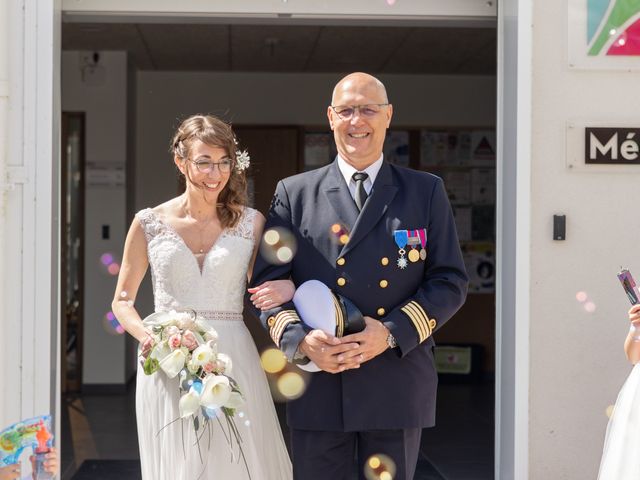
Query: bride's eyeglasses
x=204 y=166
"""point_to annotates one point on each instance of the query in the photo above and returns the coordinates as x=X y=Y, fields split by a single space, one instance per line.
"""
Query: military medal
x=422 y=233
x=413 y=241
x=401 y=237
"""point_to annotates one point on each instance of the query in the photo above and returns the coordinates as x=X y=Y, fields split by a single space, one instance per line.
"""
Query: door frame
x=41 y=116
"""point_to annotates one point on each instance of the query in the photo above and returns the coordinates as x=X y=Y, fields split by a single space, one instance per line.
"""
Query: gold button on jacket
x=384 y=284
x=341 y=261
x=341 y=282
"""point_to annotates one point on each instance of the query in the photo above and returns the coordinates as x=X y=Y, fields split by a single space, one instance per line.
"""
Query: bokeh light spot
x=113 y=269
x=609 y=411
x=271 y=237
x=380 y=467
x=581 y=297
x=291 y=385
x=590 y=307
x=111 y=325
x=106 y=259
x=278 y=246
x=284 y=254
x=273 y=360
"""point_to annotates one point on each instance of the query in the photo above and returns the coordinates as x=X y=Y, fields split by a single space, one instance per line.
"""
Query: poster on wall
x=483 y=148
x=396 y=147
x=462 y=217
x=318 y=150
x=483 y=186
x=445 y=148
x=604 y=34
x=480 y=263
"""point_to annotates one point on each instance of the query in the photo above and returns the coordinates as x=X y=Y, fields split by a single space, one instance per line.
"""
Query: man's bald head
x=359 y=116
x=360 y=81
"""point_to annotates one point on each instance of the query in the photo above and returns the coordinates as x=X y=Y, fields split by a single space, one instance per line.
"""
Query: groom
x=384 y=237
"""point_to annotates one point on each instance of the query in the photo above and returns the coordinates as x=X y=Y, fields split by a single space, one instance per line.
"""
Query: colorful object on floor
x=32 y=433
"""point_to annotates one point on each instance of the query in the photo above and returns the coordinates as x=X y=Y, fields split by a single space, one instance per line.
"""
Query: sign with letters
x=612 y=146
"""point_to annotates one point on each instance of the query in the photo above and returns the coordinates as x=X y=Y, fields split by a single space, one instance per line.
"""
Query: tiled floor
x=460 y=447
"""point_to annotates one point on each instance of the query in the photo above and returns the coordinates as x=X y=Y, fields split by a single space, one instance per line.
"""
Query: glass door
x=72 y=249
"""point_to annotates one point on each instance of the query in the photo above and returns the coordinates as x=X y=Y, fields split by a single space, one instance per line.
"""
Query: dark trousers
x=331 y=455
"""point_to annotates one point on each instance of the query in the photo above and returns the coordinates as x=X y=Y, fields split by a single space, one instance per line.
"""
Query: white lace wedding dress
x=622 y=441
x=216 y=292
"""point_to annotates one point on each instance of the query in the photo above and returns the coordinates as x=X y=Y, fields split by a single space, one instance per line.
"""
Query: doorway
x=416 y=132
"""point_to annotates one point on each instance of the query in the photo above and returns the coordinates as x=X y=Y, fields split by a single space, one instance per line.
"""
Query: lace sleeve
x=150 y=223
x=244 y=228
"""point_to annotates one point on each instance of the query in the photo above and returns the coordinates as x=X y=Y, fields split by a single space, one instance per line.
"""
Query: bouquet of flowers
x=183 y=345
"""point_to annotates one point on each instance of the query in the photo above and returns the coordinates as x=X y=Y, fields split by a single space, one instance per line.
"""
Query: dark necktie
x=361 y=193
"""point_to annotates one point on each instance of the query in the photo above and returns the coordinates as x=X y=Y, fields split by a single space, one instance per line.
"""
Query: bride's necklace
x=201 y=228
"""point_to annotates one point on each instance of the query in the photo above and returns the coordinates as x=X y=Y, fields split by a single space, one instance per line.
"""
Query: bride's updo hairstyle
x=215 y=133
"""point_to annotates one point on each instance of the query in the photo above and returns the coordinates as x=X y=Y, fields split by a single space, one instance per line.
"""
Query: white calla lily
x=235 y=400
x=160 y=351
x=160 y=319
x=201 y=355
x=216 y=391
x=189 y=403
x=173 y=363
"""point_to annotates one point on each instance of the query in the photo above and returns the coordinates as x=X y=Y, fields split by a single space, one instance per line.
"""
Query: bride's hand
x=272 y=294
x=146 y=345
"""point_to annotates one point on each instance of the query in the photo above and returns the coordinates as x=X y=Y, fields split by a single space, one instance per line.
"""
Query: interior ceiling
x=297 y=48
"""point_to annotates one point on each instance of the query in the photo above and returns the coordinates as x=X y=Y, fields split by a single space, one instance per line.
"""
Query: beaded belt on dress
x=218 y=315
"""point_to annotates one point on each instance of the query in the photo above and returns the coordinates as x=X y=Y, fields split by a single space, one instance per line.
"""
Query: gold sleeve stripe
x=422 y=323
x=339 y=317
x=282 y=319
x=418 y=322
x=430 y=323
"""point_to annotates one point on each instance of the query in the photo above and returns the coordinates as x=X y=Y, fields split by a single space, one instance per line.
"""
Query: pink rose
x=208 y=367
x=189 y=340
x=174 y=341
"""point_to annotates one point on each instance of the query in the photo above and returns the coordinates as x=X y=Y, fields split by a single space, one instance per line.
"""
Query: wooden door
x=274 y=155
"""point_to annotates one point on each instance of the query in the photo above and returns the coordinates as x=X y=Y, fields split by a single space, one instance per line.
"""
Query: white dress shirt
x=348 y=171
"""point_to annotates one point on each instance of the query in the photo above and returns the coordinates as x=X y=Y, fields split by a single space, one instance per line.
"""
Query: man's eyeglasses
x=204 y=166
x=346 y=112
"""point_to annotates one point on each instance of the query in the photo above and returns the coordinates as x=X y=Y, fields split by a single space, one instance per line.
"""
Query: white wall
x=29 y=133
x=104 y=102
x=577 y=362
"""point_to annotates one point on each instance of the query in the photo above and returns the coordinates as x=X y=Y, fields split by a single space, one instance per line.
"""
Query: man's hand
x=328 y=352
x=372 y=340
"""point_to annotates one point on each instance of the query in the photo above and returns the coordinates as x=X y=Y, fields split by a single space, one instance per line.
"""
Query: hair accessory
x=243 y=160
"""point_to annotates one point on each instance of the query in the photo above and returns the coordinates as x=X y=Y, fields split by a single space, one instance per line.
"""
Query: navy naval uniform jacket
x=397 y=389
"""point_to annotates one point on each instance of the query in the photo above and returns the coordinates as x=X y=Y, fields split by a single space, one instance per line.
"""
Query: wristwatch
x=391 y=341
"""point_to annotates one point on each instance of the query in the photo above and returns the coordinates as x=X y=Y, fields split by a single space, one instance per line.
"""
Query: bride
x=201 y=246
